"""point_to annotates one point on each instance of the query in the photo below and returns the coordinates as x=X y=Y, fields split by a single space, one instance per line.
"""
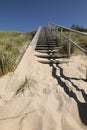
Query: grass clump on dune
x=26 y=84
x=77 y=38
x=12 y=44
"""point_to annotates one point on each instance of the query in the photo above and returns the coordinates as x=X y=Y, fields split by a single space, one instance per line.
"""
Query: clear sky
x=26 y=15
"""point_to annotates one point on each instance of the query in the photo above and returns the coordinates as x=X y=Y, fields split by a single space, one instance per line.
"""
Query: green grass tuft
x=27 y=83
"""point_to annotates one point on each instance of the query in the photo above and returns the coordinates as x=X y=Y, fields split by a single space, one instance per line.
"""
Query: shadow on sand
x=82 y=107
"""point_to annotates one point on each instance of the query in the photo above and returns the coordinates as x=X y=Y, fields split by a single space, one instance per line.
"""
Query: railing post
x=86 y=72
x=57 y=29
x=54 y=31
x=60 y=35
x=69 y=45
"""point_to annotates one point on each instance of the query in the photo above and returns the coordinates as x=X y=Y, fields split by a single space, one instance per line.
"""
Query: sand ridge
x=56 y=102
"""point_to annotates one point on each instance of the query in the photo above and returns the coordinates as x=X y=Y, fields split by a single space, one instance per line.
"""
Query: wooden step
x=46 y=45
x=53 y=62
x=47 y=51
x=53 y=56
x=47 y=48
x=44 y=41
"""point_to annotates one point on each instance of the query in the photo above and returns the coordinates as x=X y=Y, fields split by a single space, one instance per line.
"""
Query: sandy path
x=50 y=105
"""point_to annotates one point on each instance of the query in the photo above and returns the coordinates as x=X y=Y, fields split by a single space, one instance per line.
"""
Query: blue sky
x=26 y=15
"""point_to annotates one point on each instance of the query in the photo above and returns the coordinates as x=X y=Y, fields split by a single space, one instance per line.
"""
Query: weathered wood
x=69 y=45
x=53 y=62
x=52 y=56
x=68 y=29
x=86 y=73
x=47 y=48
x=47 y=51
x=54 y=45
x=70 y=42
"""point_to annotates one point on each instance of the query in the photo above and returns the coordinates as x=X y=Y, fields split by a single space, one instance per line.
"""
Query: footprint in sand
x=46 y=91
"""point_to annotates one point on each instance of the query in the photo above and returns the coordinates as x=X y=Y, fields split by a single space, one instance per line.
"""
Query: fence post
x=60 y=35
x=86 y=72
x=69 y=45
x=54 y=31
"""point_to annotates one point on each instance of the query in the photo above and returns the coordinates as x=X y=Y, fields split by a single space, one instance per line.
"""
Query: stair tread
x=52 y=56
x=52 y=62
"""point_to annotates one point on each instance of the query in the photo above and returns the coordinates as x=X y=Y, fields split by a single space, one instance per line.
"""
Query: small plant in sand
x=28 y=83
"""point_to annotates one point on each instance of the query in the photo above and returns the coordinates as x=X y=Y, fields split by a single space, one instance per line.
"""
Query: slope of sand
x=56 y=101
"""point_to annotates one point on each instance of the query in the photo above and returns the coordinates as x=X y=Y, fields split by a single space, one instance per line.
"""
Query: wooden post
x=61 y=36
x=86 y=72
x=55 y=32
x=69 y=45
x=57 y=29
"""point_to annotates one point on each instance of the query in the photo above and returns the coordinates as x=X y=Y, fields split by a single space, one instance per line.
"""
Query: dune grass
x=11 y=47
x=28 y=83
x=79 y=39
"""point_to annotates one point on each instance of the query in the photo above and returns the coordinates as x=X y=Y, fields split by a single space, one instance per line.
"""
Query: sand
x=55 y=100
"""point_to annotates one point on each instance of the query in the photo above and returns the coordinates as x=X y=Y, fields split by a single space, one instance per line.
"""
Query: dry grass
x=28 y=83
x=79 y=39
x=11 y=47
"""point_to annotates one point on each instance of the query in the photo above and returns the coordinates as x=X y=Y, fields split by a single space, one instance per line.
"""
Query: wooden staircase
x=48 y=48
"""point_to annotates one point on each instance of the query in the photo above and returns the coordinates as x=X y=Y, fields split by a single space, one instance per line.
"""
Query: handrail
x=69 y=29
x=54 y=26
x=69 y=40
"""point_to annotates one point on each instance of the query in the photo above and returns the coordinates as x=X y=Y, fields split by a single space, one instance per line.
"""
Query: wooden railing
x=58 y=29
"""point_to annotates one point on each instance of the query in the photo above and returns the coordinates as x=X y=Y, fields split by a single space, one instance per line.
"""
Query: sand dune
x=57 y=101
